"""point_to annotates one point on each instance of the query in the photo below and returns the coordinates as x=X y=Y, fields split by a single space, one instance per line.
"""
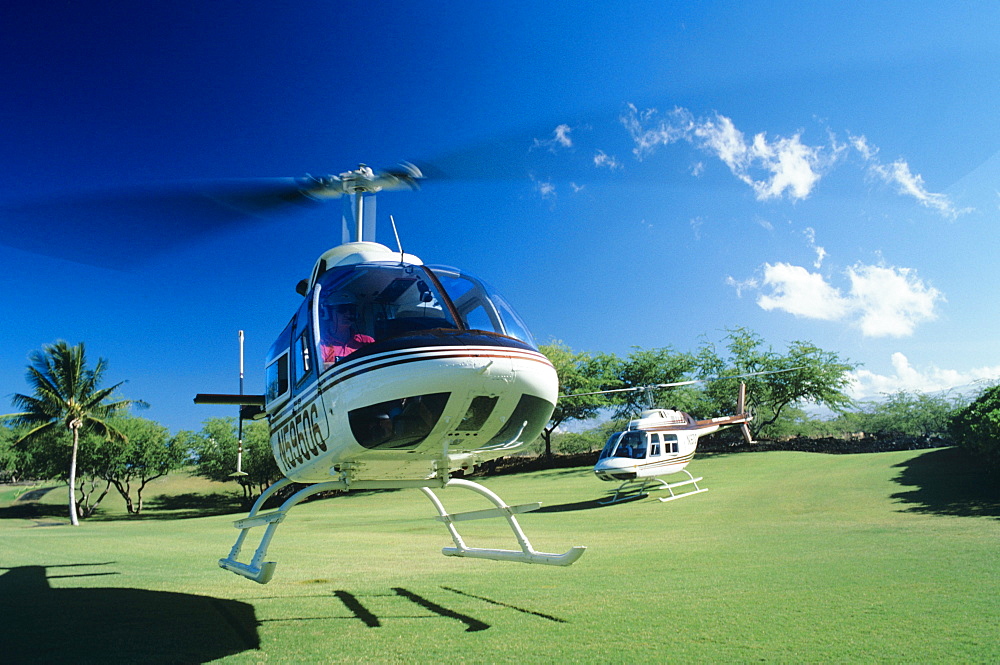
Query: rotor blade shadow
x=579 y=505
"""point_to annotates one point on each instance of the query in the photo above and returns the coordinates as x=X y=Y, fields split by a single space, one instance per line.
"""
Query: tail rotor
x=741 y=409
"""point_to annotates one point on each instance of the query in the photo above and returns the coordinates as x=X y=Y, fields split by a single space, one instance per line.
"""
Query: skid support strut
x=527 y=554
x=261 y=571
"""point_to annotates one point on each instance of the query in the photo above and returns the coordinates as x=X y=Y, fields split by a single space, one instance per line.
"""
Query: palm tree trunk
x=75 y=428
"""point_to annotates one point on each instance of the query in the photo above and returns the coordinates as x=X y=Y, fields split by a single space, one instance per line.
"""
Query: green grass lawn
x=789 y=557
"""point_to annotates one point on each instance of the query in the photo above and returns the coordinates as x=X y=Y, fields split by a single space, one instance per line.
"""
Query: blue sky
x=647 y=176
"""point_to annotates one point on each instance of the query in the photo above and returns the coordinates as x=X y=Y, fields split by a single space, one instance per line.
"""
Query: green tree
x=146 y=453
x=10 y=463
x=215 y=447
x=910 y=414
x=68 y=395
x=579 y=372
x=809 y=375
x=977 y=427
x=650 y=367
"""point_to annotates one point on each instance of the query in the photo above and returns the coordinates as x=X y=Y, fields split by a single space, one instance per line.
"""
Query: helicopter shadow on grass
x=46 y=624
x=948 y=481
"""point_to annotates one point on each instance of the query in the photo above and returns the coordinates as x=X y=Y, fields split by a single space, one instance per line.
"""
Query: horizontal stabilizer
x=231 y=400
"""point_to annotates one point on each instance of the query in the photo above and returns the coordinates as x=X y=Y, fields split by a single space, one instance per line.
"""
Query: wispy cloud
x=810 y=234
x=602 y=159
x=560 y=139
x=868 y=385
x=773 y=167
x=545 y=188
x=907 y=183
x=881 y=301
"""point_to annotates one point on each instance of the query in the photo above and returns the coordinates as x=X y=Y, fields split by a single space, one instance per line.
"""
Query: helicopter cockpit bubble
x=374 y=301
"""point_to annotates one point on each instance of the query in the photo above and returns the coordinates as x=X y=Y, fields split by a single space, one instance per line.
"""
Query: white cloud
x=696 y=224
x=868 y=385
x=791 y=164
x=912 y=184
x=560 y=139
x=881 y=301
x=741 y=284
x=646 y=138
x=776 y=167
x=783 y=166
x=891 y=301
x=546 y=189
x=801 y=293
x=720 y=137
x=907 y=183
x=602 y=159
x=860 y=144
x=810 y=234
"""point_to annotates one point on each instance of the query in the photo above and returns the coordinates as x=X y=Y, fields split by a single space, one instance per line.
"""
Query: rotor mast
x=361 y=182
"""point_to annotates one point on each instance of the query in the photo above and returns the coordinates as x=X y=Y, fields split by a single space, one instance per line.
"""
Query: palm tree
x=67 y=394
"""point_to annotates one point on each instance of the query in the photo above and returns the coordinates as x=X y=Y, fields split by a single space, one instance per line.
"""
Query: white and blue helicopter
x=394 y=374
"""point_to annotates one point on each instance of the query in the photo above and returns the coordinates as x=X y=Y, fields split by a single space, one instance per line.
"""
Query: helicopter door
x=308 y=416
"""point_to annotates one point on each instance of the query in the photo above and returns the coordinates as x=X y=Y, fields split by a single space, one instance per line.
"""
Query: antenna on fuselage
x=239 y=419
x=392 y=220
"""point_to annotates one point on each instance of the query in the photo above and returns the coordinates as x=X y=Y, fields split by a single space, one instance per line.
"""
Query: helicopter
x=393 y=374
x=662 y=442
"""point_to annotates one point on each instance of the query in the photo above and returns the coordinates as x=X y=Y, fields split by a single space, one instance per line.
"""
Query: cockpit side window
x=303 y=358
x=609 y=447
x=276 y=378
x=480 y=306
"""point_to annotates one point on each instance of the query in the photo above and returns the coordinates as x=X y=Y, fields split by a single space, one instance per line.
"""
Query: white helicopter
x=661 y=442
x=394 y=374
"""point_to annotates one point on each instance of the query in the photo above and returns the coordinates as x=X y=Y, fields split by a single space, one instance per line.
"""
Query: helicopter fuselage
x=391 y=370
x=658 y=443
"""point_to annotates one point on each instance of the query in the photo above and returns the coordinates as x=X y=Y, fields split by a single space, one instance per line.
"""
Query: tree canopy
x=68 y=394
x=977 y=427
x=808 y=375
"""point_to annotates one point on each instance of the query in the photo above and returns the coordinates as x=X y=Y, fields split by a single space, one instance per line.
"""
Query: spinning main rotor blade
x=121 y=229
x=675 y=384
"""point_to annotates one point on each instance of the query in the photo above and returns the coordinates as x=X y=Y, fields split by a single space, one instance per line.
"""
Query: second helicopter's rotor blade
x=676 y=384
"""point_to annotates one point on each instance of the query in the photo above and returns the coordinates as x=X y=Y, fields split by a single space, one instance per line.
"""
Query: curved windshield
x=480 y=306
x=360 y=304
x=632 y=446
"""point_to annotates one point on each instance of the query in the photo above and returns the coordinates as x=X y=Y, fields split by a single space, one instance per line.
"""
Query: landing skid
x=261 y=571
x=631 y=490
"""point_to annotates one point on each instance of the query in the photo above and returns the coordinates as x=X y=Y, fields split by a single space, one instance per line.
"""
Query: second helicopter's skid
x=637 y=489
